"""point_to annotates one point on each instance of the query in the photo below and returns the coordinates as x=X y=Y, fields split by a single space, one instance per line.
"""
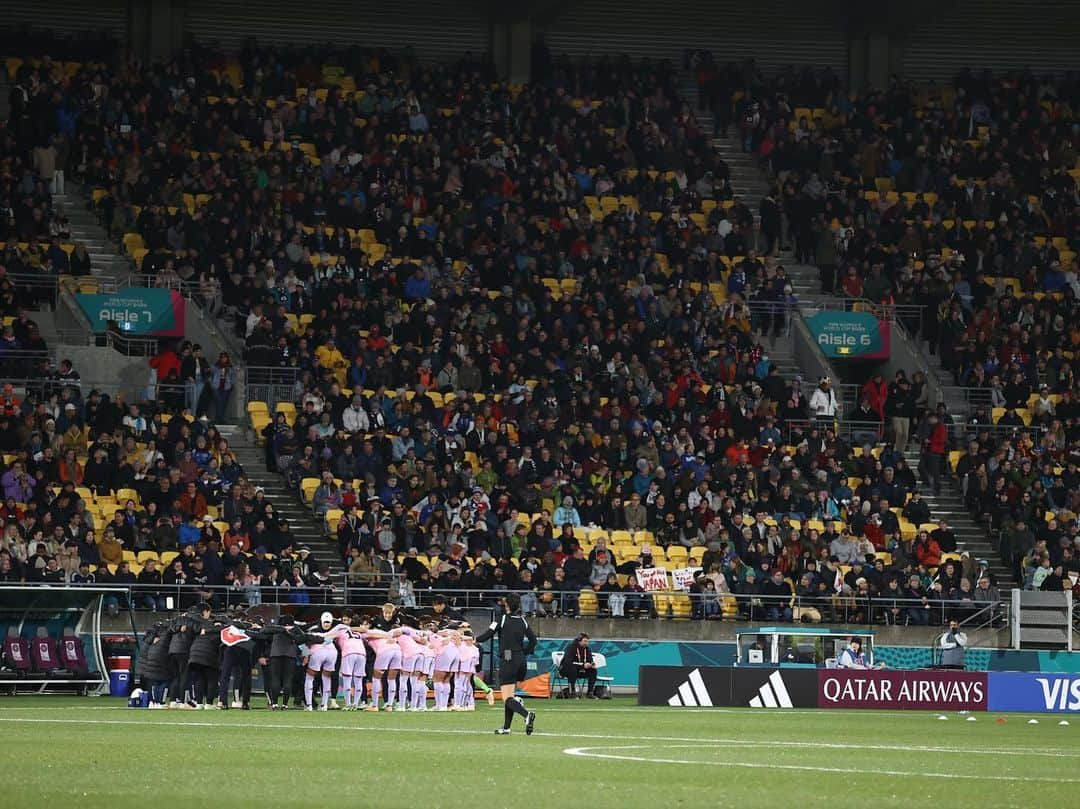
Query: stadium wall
x=775 y=33
x=920 y=39
x=1001 y=34
x=436 y=30
x=625 y=657
x=69 y=17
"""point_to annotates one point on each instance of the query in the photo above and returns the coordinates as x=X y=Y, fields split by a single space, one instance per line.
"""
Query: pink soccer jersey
x=351 y=642
x=468 y=657
x=407 y=641
x=379 y=643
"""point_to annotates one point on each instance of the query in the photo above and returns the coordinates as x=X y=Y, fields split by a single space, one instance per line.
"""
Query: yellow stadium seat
x=308 y=487
x=588 y=604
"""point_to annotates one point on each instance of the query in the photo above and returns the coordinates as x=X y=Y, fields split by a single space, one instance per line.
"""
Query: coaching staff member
x=516 y=640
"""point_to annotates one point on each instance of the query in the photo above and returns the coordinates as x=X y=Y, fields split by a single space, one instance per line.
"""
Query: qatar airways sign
x=905 y=690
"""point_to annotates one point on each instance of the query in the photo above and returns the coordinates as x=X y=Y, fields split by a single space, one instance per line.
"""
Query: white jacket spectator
x=823 y=403
x=355 y=418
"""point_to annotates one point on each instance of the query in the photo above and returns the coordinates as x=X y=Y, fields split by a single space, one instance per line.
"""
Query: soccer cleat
x=324 y=707
x=334 y=705
x=388 y=708
x=530 y=720
x=371 y=709
x=308 y=708
x=502 y=731
x=491 y=697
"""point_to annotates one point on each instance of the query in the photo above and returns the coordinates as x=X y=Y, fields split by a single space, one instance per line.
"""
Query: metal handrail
x=884 y=311
x=841 y=607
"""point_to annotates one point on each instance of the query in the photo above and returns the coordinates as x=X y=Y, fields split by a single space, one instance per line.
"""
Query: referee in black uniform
x=516 y=640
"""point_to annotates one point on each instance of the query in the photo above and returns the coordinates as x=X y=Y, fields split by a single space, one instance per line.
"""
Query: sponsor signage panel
x=782 y=688
x=1034 y=693
x=904 y=690
x=774 y=688
x=684 y=686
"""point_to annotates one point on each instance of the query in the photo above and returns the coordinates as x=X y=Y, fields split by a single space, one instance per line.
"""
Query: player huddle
x=404 y=658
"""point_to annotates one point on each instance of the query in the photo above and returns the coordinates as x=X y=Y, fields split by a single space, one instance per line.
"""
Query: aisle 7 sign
x=136 y=311
x=850 y=334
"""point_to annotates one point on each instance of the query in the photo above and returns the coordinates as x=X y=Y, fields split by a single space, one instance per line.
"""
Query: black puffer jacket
x=206 y=647
x=154 y=654
x=181 y=637
x=285 y=640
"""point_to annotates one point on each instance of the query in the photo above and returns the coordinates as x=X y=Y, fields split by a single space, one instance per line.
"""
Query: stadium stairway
x=970 y=536
x=85 y=228
x=805 y=281
x=308 y=531
x=747 y=180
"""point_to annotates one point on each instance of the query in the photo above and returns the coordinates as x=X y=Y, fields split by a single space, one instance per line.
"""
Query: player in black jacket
x=516 y=640
x=180 y=640
x=238 y=642
x=285 y=639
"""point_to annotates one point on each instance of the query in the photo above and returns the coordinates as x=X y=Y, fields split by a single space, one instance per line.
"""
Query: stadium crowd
x=963 y=200
x=508 y=318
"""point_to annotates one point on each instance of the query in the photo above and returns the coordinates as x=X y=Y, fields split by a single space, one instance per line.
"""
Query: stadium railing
x=270 y=384
x=847 y=607
x=133 y=392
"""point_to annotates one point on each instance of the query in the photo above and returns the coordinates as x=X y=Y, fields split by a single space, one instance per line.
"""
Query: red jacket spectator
x=164 y=363
x=937 y=443
x=876 y=391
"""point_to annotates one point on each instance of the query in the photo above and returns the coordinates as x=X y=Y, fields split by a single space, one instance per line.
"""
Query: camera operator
x=953 y=645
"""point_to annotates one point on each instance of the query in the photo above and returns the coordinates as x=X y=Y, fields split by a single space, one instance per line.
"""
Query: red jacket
x=876 y=395
x=937 y=443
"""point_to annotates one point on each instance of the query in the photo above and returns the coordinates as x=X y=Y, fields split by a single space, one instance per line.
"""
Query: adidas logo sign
x=772 y=694
x=692 y=693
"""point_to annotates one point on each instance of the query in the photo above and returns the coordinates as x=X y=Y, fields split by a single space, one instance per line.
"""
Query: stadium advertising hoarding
x=1034 y=693
x=136 y=311
x=754 y=687
x=905 y=690
x=850 y=335
x=684 y=686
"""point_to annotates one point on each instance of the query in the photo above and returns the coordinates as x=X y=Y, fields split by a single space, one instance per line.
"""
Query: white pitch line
x=587 y=752
x=589 y=709
x=594 y=736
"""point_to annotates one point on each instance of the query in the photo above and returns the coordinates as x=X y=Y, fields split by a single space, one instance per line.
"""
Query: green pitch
x=93 y=752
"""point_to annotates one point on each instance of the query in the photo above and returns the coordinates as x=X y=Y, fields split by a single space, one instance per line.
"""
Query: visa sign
x=1034 y=693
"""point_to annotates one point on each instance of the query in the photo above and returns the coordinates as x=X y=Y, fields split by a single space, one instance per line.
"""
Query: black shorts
x=512 y=667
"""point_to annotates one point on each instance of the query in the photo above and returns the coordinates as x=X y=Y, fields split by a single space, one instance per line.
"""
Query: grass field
x=95 y=752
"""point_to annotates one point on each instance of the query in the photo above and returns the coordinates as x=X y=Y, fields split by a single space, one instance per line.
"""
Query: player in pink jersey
x=350 y=641
x=387 y=657
x=445 y=665
x=427 y=667
x=411 y=642
x=321 y=661
x=468 y=657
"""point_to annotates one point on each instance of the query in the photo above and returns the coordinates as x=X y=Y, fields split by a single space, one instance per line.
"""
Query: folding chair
x=603 y=681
